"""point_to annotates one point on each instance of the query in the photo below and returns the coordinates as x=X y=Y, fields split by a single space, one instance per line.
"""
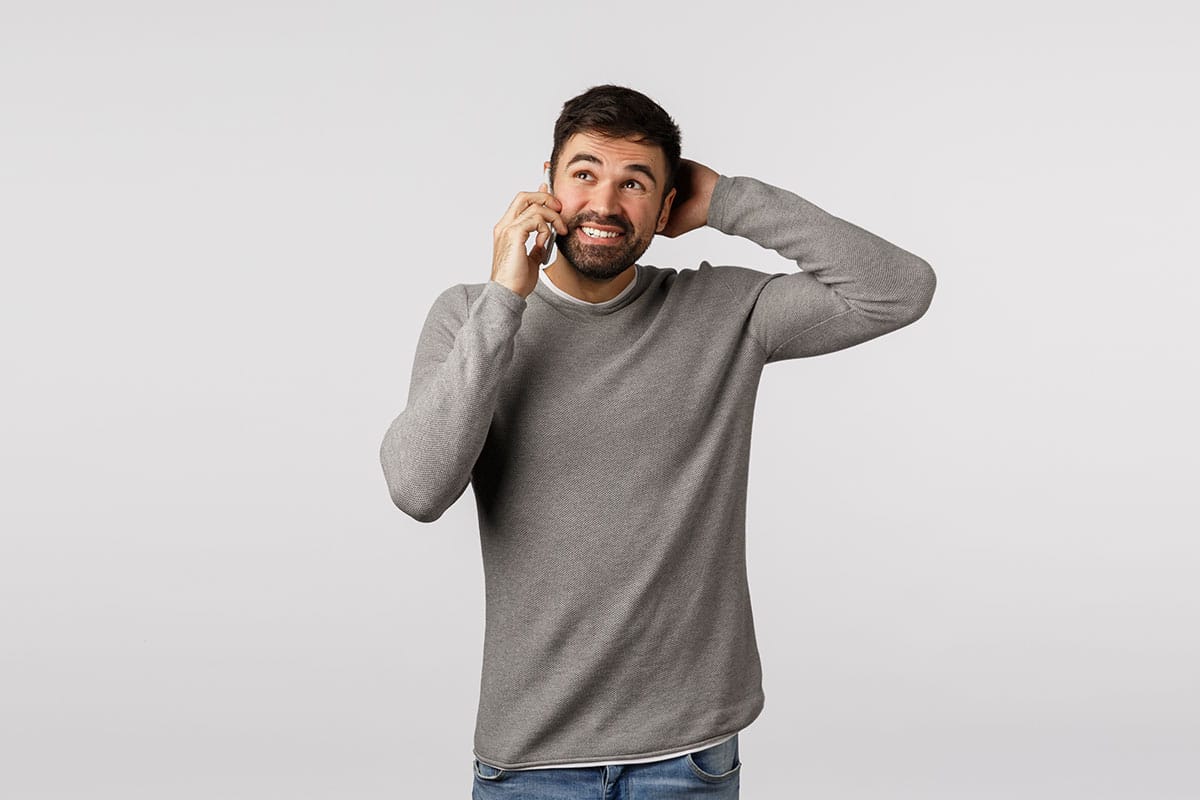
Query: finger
x=515 y=234
x=536 y=214
x=542 y=240
x=525 y=199
x=552 y=227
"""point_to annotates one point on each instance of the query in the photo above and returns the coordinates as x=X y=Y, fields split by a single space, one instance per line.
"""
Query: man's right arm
x=462 y=355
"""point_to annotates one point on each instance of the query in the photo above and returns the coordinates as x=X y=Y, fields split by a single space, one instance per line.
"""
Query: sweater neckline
x=581 y=308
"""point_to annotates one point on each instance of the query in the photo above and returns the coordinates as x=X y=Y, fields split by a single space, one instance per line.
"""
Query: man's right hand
x=530 y=211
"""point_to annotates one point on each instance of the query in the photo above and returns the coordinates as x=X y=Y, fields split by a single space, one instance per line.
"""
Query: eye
x=582 y=172
x=635 y=183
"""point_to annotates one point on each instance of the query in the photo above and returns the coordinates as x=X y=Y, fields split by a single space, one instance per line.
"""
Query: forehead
x=614 y=153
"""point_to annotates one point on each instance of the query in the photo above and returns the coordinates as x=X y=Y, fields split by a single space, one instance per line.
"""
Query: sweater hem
x=755 y=708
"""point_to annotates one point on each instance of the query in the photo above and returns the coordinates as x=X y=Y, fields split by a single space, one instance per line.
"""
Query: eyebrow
x=642 y=168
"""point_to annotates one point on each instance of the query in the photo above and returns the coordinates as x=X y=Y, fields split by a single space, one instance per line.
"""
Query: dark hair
x=619 y=113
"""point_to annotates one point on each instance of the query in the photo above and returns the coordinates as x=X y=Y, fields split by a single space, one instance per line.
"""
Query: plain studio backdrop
x=222 y=225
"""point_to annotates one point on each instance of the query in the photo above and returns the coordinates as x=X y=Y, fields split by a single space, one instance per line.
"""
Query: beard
x=602 y=262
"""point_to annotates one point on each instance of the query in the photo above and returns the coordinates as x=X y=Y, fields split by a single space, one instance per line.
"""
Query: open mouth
x=599 y=235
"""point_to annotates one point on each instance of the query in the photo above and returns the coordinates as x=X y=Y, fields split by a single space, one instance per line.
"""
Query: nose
x=603 y=199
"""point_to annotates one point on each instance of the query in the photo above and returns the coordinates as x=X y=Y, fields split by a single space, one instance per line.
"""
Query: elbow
x=921 y=285
x=422 y=507
x=407 y=491
x=421 y=512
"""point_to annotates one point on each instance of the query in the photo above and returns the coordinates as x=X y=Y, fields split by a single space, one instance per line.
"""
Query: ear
x=665 y=214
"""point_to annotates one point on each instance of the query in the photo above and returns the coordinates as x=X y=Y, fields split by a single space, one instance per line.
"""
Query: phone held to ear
x=553 y=233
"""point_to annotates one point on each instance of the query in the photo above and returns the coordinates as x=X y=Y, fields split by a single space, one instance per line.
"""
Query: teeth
x=598 y=234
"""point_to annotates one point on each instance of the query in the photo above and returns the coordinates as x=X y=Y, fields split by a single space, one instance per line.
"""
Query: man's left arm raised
x=853 y=287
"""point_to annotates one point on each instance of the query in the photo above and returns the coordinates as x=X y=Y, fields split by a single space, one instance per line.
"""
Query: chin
x=602 y=275
x=601 y=269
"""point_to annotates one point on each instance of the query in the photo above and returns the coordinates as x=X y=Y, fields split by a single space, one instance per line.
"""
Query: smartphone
x=553 y=233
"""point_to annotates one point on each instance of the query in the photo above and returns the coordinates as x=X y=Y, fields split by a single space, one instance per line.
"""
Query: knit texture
x=608 y=449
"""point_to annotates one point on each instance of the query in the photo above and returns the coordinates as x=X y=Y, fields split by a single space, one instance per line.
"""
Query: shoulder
x=710 y=277
x=449 y=301
x=720 y=286
x=469 y=292
x=457 y=300
x=737 y=282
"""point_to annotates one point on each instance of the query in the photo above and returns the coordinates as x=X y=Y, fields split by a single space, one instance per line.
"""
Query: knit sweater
x=608 y=449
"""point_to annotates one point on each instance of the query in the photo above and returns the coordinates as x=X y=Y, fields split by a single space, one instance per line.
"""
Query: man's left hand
x=693 y=191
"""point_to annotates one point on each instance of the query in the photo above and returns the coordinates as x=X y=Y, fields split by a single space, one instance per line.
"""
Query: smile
x=597 y=234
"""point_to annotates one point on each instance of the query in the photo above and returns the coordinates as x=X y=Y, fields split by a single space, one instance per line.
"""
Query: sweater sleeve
x=854 y=285
x=462 y=355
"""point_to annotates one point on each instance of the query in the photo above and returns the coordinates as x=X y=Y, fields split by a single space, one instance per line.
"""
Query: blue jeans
x=711 y=773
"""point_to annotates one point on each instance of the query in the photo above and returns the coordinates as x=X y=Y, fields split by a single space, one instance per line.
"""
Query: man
x=602 y=411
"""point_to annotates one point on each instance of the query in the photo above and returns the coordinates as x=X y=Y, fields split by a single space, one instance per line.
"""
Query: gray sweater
x=608 y=448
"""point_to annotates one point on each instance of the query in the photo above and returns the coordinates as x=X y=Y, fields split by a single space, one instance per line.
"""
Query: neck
x=578 y=285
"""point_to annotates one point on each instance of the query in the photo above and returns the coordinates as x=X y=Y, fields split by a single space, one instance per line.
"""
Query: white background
x=222 y=224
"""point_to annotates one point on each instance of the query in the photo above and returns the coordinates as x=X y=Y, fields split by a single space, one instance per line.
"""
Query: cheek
x=569 y=209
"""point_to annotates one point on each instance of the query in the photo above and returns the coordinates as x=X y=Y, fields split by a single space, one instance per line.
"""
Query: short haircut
x=619 y=113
